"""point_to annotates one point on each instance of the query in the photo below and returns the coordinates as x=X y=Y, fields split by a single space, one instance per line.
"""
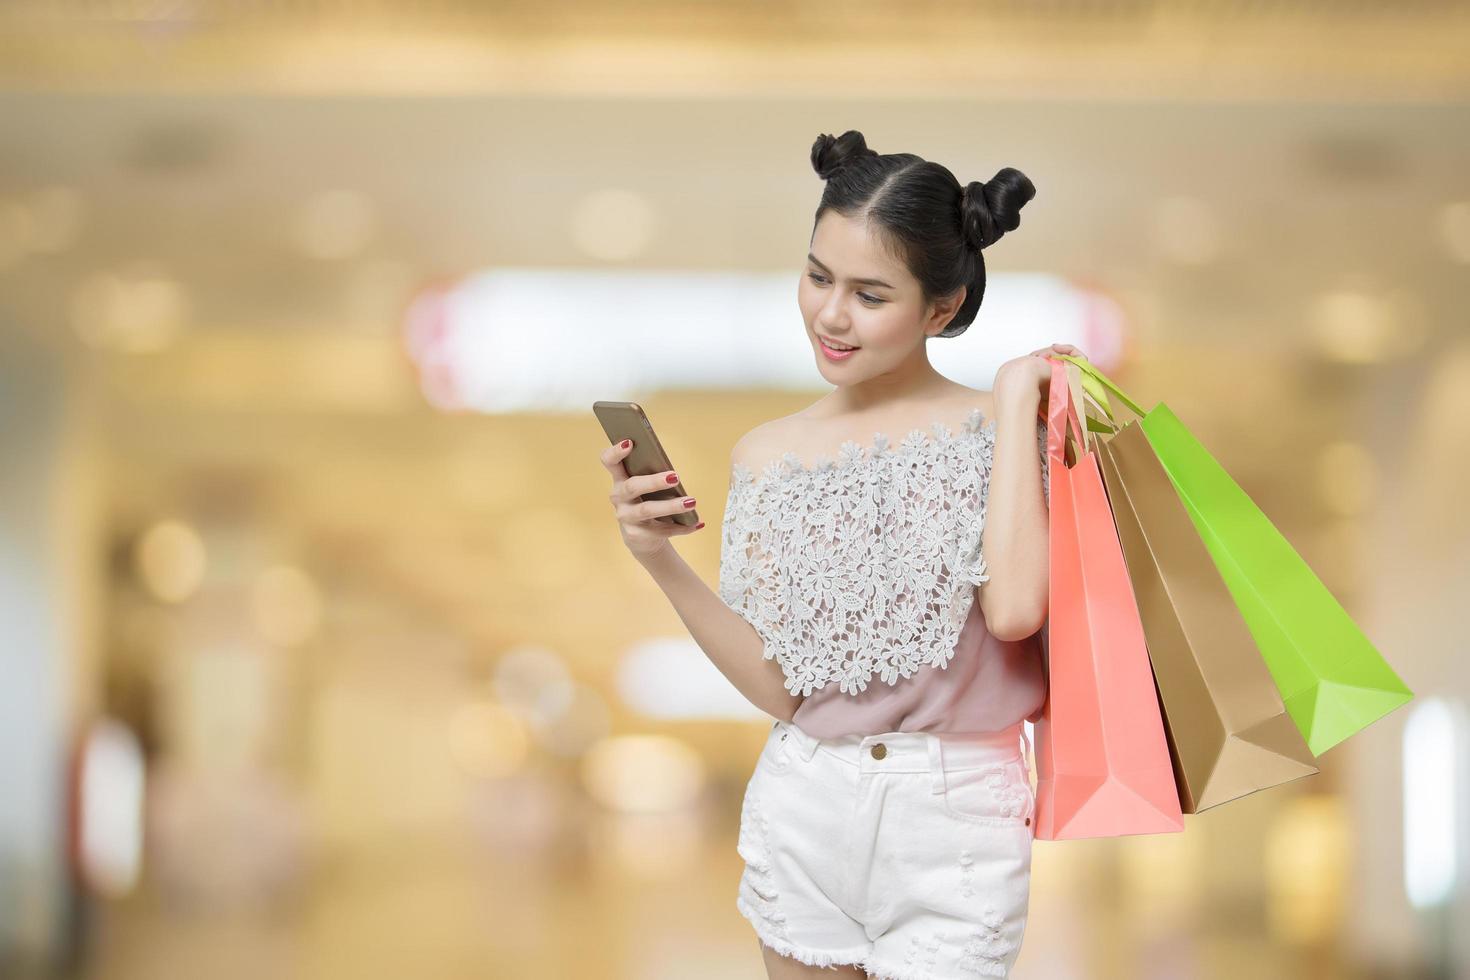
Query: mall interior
x=321 y=655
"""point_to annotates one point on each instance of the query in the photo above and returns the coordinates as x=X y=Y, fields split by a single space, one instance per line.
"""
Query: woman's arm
x=1015 y=537
x=730 y=642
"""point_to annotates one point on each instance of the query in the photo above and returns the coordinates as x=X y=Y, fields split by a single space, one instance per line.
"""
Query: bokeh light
x=170 y=560
x=488 y=740
x=642 y=773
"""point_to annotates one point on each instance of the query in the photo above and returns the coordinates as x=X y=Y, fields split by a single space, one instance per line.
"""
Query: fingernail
x=627 y=443
x=688 y=501
x=699 y=525
x=673 y=478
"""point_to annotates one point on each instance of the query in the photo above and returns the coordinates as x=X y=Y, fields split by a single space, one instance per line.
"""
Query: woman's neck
x=907 y=385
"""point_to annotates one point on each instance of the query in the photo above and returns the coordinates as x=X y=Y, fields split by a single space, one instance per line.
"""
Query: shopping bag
x=1102 y=759
x=1229 y=732
x=1332 y=680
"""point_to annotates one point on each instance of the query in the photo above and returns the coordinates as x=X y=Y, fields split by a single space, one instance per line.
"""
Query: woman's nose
x=833 y=317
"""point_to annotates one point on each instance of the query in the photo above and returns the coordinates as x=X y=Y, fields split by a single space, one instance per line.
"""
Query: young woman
x=883 y=604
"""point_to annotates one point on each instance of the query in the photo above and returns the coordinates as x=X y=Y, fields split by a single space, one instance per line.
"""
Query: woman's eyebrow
x=866 y=282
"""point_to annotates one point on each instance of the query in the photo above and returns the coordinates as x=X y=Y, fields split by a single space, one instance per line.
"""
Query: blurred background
x=320 y=655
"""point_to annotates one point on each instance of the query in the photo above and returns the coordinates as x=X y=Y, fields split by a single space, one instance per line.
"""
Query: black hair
x=923 y=215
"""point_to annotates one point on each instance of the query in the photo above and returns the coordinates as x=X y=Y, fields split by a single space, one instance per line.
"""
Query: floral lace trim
x=864 y=564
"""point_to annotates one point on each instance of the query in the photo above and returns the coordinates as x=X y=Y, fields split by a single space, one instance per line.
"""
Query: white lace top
x=867 y=564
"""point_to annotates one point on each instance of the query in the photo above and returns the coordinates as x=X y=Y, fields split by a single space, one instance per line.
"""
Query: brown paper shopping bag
x=1229 y=731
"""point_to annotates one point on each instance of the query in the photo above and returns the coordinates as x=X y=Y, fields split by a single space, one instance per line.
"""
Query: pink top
x=989 y=686
x=860 y=573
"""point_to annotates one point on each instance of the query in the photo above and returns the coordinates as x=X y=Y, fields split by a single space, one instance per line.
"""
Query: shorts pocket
x=993 y=795
x=778 y=751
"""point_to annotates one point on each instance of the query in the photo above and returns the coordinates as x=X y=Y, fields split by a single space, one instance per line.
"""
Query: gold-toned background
x=230 y=519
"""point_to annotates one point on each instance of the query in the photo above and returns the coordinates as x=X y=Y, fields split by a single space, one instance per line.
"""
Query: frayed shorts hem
x=877 y=971
x=811 y=957
x=860 y=956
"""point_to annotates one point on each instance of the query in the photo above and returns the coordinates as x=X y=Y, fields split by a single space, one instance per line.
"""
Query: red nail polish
x=673 y=478
x=626 y=443
x=699 y=525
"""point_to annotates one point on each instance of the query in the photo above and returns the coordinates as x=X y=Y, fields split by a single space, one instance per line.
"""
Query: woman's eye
x=822 y=280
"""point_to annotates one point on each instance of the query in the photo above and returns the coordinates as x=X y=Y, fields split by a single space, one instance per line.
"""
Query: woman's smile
x=841 y=353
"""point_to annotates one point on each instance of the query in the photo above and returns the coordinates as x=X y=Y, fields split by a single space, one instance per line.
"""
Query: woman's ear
x=944 y=310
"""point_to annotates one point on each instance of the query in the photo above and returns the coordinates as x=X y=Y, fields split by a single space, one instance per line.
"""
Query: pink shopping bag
x=1102 y=759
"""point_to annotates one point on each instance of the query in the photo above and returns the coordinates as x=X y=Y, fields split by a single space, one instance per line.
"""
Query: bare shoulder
x=967 y=398
x=761 y=443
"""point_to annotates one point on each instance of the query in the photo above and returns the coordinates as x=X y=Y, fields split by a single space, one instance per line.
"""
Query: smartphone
x=627 y=420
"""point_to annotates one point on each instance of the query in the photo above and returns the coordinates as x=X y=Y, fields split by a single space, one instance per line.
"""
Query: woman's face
x=854 y=294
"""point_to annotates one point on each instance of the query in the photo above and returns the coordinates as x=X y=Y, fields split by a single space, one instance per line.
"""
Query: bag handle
x=1061 y=416
x=1078 y=400
x=1100 y=382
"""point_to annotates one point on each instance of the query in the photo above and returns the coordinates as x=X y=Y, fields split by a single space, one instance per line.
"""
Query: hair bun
x=831 y=153
x=988 y=210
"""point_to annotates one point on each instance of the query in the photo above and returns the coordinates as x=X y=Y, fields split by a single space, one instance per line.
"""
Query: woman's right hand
x=638 y=519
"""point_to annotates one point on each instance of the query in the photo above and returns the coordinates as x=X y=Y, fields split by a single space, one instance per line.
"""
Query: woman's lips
x=836 y=355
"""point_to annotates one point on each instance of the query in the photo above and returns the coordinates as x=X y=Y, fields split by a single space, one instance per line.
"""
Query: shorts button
x=1028 y=821
x=879 y=751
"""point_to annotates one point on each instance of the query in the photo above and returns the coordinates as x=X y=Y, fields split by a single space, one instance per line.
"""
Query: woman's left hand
x=1031 y=372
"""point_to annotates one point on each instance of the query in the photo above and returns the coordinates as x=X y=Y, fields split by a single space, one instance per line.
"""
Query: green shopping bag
x=1332 y=680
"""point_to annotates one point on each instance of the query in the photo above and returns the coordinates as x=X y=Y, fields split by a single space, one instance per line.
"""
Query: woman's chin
x=838 y=373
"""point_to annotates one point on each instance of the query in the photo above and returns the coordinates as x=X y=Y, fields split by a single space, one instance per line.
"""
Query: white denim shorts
x=906 y=853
